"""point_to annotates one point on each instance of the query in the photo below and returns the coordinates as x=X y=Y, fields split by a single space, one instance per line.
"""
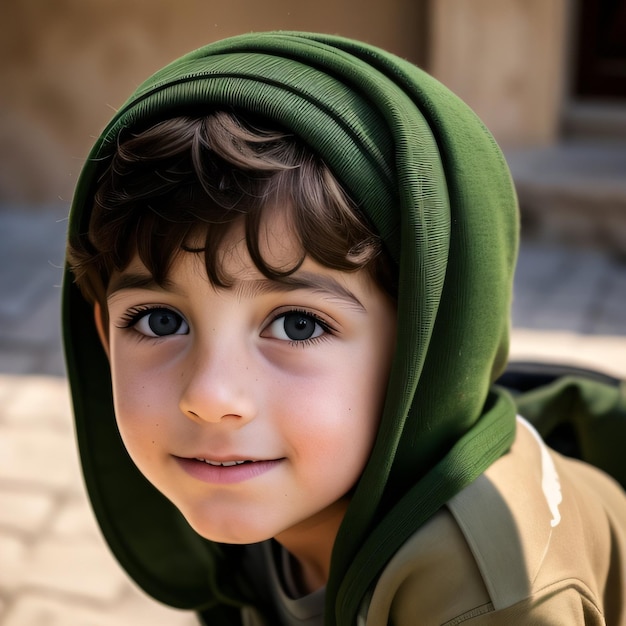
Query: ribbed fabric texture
x=433 y=183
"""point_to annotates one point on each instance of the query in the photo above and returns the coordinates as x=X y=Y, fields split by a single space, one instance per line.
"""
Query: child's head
x=341 y=170
x=244 y=306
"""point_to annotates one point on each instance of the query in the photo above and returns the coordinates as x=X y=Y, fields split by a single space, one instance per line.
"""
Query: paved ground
x=570 y=305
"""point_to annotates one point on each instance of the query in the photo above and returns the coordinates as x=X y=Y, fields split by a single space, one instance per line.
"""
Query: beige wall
x=66 y=64
x=507 y=59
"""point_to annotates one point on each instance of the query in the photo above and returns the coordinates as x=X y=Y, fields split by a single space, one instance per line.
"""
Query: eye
x=297 y=326
x=159 y=323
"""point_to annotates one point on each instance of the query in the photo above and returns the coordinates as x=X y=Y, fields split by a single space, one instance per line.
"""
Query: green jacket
x=435 y=186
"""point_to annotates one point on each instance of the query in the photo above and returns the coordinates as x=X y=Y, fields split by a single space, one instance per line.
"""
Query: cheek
x=334 y=420
x=141 y=421
x=129 y=390
x=140 y=397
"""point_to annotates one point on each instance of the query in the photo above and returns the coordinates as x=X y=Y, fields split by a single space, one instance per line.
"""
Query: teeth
x=218 y=464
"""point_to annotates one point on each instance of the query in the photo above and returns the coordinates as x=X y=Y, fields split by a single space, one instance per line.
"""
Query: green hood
x=434 y=184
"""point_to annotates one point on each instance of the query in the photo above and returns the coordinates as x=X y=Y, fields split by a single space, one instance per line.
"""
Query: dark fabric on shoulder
x=580 y=413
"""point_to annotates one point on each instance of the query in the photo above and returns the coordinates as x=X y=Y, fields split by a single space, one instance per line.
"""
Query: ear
x=101 y=327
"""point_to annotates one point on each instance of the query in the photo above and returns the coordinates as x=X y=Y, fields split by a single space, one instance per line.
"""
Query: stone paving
x=54 y=567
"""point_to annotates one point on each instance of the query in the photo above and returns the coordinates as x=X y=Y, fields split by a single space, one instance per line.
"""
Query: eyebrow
x=317 y=283
x=138 y=281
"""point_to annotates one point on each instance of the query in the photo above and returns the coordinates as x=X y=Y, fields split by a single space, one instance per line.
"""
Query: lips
x=225 y=472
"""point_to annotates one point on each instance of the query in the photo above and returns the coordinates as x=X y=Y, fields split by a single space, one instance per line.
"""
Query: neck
x=311 y=546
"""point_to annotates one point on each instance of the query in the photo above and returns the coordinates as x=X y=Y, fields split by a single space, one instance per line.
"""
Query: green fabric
x=588 y=415
x=435 y=186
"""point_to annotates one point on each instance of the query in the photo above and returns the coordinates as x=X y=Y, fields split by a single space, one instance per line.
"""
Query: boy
x=295 y=256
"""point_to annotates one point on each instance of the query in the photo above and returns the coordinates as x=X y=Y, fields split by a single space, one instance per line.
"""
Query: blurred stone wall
x=65 y=65
x=509 y=60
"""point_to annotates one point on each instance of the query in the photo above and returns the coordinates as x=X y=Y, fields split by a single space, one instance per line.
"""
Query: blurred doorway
x=600 y=70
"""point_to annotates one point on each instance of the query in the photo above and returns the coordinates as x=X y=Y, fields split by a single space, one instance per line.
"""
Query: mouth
x=226 y=472
x=223 y=463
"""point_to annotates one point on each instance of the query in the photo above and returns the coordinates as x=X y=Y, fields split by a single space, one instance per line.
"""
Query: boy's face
x=253 y=409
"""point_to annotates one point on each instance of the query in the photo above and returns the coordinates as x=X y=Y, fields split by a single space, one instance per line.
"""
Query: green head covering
x=433 y=183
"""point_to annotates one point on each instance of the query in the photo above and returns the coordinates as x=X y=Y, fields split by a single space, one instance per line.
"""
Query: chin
x=231 y=531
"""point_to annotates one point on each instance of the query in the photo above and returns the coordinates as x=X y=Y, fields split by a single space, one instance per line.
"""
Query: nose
x=217 y=386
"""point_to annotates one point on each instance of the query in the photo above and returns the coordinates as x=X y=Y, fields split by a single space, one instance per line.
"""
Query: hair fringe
x=188 y=176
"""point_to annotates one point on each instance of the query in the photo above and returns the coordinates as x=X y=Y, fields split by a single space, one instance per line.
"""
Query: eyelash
x=130 y=318
x=134 y=314
x=326 y=327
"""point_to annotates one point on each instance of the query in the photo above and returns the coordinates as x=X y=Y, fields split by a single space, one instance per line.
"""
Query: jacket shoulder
x=433 y=578
x=537 y=537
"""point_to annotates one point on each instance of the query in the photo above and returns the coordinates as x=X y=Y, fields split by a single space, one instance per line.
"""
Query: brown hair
x=190 y=176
